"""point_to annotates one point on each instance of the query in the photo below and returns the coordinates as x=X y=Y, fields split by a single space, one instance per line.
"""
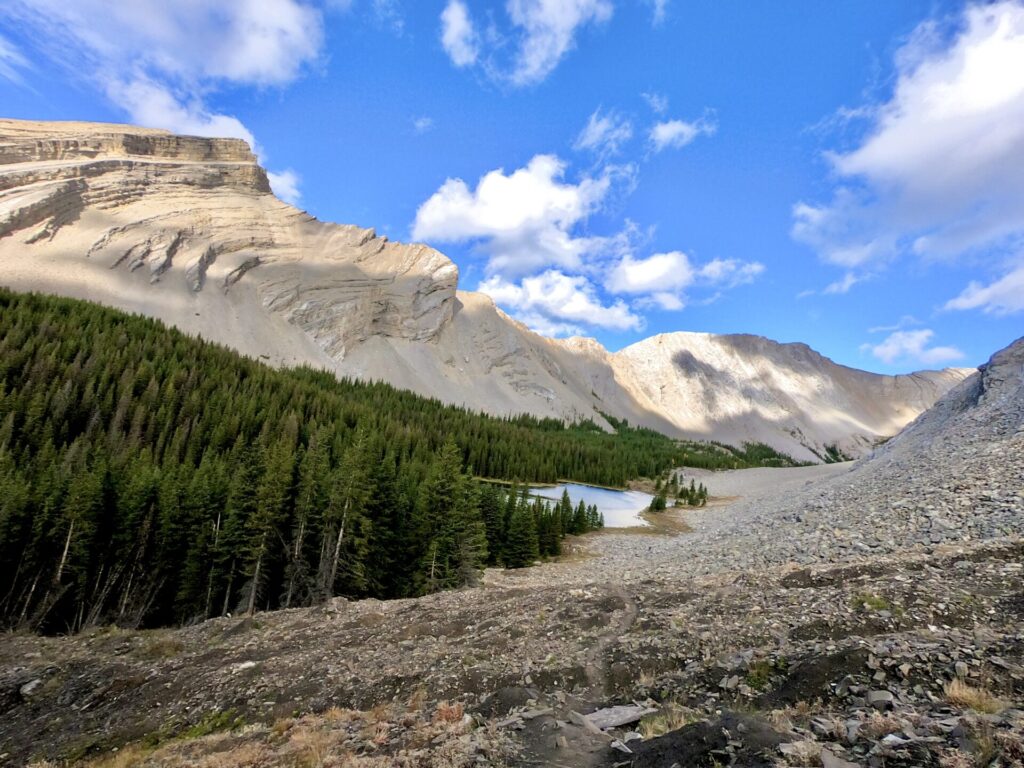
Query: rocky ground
x=860 y=615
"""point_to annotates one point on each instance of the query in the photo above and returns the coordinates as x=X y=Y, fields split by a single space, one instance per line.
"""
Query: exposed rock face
x=168 y=225
x=731 y=387
x=186 y=229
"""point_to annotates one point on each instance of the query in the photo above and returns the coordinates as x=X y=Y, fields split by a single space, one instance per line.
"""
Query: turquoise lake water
x=621 y=509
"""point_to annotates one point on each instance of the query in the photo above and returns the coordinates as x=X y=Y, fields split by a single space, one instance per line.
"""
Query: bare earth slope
x=845 y=616
x=186 y=229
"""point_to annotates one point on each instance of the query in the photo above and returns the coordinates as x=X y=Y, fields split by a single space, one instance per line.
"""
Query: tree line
x=151 y=478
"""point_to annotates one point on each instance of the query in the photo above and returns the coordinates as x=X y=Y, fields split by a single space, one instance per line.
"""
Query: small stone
x=28 y=688
x=584 y=722
x=843 y=686
x=880 y=700
x=618 y=745
x=831 y=760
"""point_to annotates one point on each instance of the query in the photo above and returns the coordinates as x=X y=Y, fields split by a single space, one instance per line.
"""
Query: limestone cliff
x=169 y=225
x=186 y=229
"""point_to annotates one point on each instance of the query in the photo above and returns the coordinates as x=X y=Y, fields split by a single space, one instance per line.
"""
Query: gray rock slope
x=186 y=229
x=955 y=475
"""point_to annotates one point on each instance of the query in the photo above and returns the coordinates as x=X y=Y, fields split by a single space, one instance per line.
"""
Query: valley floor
x=794 y=625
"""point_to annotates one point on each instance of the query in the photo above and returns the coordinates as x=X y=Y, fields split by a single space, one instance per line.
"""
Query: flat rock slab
x=613 y=717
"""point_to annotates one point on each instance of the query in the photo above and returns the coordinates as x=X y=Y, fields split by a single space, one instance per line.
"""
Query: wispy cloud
x=912 y=346
x=1001 y=297
x=674 y=134
x=936 y=174
x=285 y=185
x=604 y=134
x=659 y=10
x=523 y=221
x=844 y=284
x=657 y=102
x=539 y=33
x=422 y=124
x=11 y=62
x=458 y=34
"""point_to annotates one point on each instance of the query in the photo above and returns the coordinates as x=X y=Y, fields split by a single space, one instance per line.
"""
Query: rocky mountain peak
x=186 y=229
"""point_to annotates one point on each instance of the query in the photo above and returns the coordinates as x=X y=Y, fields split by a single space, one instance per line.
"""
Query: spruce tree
x=521 y=549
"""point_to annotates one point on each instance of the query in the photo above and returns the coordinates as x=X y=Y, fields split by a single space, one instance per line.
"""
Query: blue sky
x=846 y=174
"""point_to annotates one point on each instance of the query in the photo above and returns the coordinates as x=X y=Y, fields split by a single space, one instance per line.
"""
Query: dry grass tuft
x=161 y=647
x=964 y=695
x=126 y=757
x=314 y=747
x=338 y=738
x=336 y=715
x=671 y=717
x=448 y=713
x=878 y=726
x=954 y=758
x=416 y=700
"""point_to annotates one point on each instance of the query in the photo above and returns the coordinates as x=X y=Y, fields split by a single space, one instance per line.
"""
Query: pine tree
x=455 y=532
x=264 y=525
x=310 y=500
x=492 y=513
x=521 y=549
x=349 y=496
x=659 y=502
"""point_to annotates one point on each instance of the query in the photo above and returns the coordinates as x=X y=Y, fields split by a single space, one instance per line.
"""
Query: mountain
x=187 y=230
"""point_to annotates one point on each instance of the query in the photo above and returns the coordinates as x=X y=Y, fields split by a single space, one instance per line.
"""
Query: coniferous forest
x=151 y=478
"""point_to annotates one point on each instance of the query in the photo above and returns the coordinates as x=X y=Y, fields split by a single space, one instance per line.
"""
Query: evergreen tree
x=659 y=502
x=521 y=549
x=492 y=513
x=456 y=536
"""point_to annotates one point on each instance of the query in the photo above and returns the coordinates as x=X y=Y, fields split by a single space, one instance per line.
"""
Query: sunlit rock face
x=171 y=224
x=187 y=230
x=740 y=388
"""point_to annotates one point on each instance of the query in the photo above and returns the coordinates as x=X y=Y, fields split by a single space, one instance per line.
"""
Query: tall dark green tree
x=521 y=548
x=454 y=530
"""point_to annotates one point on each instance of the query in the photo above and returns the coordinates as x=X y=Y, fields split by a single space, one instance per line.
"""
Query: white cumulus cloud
x=557 y=304
x=458 y=35
x=914 y=346
x=542 y=265
x=673 y=134
x=160 y=61
x=285 y=185
x=524 y=220
x=662 y=279
x=937 y=173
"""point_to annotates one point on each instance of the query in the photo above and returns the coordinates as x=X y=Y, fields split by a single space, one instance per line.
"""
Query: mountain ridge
x=186 y=229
